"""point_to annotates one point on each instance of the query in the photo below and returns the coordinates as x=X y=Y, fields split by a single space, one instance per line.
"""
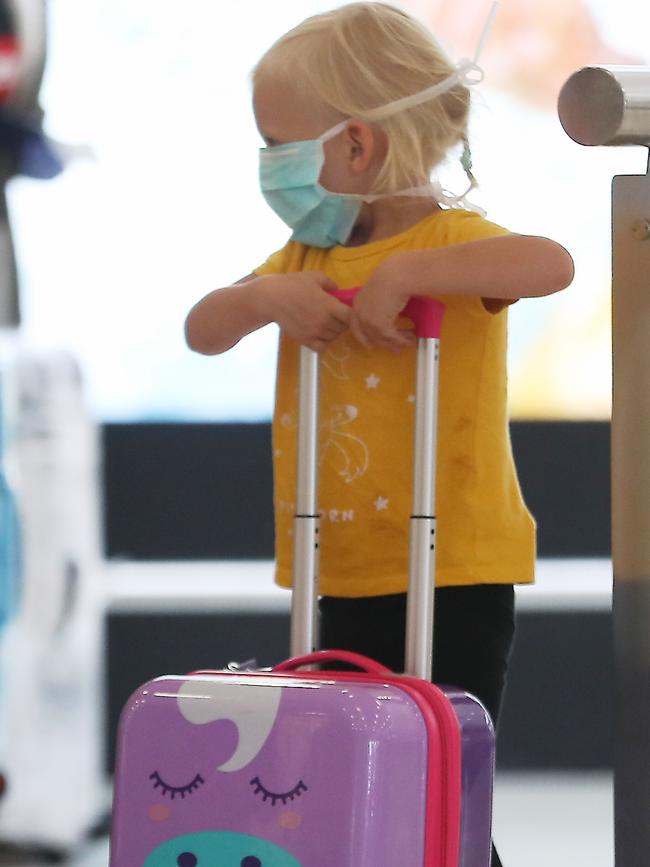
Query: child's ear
x=362 y=144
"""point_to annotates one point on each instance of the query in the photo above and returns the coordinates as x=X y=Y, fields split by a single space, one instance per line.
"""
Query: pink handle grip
x=425 y=313
x=363 y=662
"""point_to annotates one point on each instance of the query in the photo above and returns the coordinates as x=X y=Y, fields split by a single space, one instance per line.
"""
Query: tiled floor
x=541 y=820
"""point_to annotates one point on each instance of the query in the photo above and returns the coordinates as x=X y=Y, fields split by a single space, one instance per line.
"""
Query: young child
x=357 y=107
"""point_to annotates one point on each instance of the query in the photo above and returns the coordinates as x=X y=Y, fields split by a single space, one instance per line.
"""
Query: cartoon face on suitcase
x=237 y=771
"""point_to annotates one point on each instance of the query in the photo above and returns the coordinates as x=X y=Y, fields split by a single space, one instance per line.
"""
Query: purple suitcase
x=305 y=768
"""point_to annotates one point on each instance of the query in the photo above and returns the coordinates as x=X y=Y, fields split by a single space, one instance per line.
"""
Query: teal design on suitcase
x=224 y=848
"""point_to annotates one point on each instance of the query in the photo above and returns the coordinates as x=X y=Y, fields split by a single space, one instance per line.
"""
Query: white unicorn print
x=348 y=453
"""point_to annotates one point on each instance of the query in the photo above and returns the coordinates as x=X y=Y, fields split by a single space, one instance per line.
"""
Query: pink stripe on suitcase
x=296 y=768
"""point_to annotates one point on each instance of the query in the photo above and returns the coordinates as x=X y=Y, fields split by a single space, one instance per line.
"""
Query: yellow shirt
x=485 y=533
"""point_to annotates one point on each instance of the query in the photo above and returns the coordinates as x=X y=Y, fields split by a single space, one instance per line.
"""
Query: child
x=357 y=107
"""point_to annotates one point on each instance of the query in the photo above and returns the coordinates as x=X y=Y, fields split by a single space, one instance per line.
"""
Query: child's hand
x=302 y=307
x=376 y=310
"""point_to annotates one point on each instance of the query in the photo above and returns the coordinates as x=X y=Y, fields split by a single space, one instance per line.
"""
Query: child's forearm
x=223 y=317
x=506 y=267
x=300 y=303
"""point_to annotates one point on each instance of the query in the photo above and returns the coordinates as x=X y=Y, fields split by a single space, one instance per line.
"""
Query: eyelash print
x=172 y=791
x=296 y=792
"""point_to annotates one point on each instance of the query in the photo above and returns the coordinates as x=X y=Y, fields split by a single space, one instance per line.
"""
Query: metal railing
x=610 y=105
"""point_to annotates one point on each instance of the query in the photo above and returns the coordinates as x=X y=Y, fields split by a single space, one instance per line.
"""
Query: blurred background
x=132 y=235
x=128 y=162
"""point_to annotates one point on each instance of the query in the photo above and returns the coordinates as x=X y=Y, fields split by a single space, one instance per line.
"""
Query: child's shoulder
x=289 y=258
x=457 y=226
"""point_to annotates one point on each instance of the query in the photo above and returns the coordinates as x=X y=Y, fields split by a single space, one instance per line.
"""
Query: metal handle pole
x=427 y=315
x=306 y=519
x=420 y=599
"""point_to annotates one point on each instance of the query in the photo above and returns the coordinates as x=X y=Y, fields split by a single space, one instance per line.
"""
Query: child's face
x=282 y=117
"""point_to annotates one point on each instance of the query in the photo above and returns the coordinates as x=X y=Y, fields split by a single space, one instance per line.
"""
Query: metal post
x=611 y=106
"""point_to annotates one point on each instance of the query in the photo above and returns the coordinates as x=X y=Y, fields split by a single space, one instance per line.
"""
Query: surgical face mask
x=289 y=173
x=289 y=176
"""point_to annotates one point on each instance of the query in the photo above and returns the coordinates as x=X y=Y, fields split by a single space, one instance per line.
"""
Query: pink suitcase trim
x=444 y=789
x=443 y=807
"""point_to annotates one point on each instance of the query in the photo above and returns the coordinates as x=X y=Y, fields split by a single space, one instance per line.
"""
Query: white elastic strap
x=425 y=191
x=486 y=30
x=462 y=74
x=335 y=130
x=444 y=197
x=431 y=190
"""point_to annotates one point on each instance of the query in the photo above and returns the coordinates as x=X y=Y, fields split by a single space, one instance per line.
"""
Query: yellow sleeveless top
x=485 y=532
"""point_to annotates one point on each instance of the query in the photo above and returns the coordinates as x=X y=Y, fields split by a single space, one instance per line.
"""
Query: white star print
x=381 y=504
x=372 y=381
x=411 y=398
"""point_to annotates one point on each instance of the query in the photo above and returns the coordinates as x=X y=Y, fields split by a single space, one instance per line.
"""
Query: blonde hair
x=361 y=56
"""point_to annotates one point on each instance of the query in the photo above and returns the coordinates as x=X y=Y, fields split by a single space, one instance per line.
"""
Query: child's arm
x=499 y=270
x=299 y=303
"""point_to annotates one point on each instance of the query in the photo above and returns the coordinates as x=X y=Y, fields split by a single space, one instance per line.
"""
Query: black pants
x=474 y=630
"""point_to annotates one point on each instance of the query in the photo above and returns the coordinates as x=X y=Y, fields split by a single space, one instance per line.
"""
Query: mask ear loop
x=467 y=72
x=487 y=28
x=334 y=131
x=466 y=157
x=446 y=198
x=463 y=74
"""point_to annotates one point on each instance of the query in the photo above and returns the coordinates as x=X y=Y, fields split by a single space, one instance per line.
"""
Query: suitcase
x=307 y=767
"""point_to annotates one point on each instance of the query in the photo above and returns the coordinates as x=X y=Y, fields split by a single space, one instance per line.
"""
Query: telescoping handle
x=427 y=315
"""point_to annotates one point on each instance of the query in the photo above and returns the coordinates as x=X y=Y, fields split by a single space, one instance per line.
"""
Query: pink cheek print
x=159 y=812
x=290 y=820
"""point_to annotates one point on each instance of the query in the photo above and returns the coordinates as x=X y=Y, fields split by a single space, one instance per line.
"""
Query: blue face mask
x=289 y=176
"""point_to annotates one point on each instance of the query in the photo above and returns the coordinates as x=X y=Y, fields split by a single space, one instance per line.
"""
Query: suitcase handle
x=425 y=313
x=422 y=543
x=370 y=666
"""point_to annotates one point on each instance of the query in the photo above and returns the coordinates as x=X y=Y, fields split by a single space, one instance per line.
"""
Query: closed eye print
x=173 y=791
x=274 y=797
